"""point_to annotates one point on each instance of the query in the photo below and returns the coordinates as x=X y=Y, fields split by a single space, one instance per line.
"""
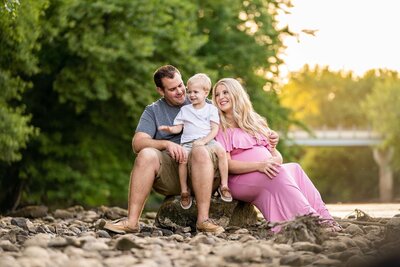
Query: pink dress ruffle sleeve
x=291 y=193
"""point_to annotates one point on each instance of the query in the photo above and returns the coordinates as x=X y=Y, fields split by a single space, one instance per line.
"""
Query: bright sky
x=355 y=35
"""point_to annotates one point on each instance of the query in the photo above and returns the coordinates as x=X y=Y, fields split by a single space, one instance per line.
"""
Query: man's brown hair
x=167 y=71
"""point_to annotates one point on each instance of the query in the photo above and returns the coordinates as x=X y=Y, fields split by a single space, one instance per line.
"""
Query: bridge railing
x=334 y=137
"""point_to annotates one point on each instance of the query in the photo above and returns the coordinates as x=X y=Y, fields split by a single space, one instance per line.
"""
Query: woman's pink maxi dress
x=289 y=194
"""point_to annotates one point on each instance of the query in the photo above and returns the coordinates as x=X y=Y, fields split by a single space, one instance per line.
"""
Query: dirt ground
x=383 y=210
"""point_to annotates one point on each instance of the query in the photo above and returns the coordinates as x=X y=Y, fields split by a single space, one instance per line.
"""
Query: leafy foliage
x=381 y=107
x=244 y=43
x=343 y=174
x=17 y=61
x=77 y=75
x=10 y=7
x=323 y=98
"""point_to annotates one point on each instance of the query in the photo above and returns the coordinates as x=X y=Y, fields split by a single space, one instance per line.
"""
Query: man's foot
x=209 y=226
x=186 y=200
x=121 y=227
x=225 y=193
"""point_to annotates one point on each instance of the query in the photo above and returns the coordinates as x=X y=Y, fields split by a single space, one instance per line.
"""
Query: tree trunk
x=383 y=158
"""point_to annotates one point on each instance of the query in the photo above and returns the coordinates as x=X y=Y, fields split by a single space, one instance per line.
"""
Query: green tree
x=320 y=97
x=96 y=60
x=17 y=60
x=18 y=44
x=343 y=174
x=244 y=43
x=9 y=6
x=89 y=69
x=381 y=108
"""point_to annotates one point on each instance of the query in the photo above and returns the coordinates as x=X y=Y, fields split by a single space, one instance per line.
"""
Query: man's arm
x=143 y=140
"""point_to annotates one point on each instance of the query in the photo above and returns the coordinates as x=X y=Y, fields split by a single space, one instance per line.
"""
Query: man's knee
x=147 y=158
x=200 y=155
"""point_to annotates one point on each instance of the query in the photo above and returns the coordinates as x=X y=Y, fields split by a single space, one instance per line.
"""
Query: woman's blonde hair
x=243 y=112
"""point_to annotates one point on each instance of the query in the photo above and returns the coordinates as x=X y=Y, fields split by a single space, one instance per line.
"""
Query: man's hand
x=273 y=138
x=177 y=152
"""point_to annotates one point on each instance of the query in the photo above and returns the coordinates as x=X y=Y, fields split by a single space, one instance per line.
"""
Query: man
x=159 y=153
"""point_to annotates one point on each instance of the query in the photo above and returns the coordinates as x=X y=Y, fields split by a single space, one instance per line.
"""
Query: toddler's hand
x=199 y=142
x=164 y=128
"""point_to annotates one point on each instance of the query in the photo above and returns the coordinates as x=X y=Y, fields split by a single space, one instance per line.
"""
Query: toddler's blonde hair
x=202 y=79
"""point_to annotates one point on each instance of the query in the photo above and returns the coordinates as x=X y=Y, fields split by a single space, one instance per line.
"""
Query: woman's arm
x=270 y=167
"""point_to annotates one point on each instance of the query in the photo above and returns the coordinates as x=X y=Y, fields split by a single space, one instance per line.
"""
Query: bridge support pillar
x=383 y=158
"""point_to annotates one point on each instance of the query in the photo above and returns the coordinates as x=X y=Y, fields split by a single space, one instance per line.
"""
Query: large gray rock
x=392 y=229
x=236 y=213
x=31 y=212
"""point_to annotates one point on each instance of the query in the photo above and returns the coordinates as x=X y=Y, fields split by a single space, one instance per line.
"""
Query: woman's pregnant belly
x=257 y=153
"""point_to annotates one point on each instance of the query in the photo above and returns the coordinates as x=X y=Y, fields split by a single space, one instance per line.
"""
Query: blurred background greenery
x=76 y=75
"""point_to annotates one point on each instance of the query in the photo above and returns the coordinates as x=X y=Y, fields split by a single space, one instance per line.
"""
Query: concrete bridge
x=338 y=137
x=351 y=138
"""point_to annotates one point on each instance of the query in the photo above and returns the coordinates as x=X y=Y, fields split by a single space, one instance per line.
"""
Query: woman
x=280 y=191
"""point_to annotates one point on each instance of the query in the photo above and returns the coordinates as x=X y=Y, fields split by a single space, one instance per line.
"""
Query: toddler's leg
x=222 y=165
x=186 y=198
x=183 y=177
x=223 y=190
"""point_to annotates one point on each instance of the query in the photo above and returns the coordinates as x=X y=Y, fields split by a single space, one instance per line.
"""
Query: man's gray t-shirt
x=157 y=114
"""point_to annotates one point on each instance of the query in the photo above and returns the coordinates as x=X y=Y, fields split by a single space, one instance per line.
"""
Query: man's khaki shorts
x=167 y=180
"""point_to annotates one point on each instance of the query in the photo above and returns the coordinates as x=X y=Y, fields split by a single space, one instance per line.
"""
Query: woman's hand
x=177 y=152
x=270 y=168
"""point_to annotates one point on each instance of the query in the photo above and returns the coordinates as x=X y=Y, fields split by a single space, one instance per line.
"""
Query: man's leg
x=202 y=176
x=144 y=171
x=142 y=178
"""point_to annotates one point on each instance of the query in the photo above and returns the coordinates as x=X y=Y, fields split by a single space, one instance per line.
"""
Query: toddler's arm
x=210 y=136
x=171 y=129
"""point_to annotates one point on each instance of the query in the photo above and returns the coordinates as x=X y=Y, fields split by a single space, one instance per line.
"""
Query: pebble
x=74 y=237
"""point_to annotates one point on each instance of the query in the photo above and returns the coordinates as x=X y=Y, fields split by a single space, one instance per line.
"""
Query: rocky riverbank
x=35 y=237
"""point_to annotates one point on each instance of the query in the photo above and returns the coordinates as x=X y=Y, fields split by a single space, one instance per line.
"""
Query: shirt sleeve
x=147 y=123
x=179 y=118
x=214 y=116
